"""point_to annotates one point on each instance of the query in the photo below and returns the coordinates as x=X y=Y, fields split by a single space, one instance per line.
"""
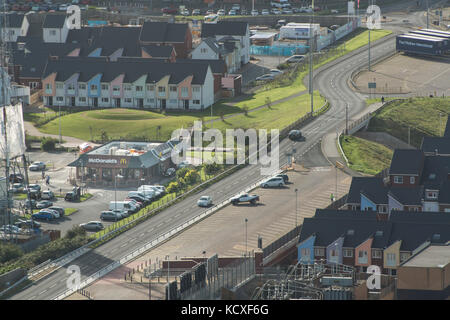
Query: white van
x=119 y=205
x=147 y=188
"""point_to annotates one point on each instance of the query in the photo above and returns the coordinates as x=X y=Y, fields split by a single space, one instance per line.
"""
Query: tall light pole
x=115 y=189
x=296 y=205
x=168 y=275
x=60 y=137
x=428 y=12
x=246 y=220
x=311 y=52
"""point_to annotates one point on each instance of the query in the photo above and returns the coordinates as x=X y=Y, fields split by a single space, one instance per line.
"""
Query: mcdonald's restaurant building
x=124 y=163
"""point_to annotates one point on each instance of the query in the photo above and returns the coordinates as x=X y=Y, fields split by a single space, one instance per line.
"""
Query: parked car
x=283 y=176
x=275 y=72
x=47 y=195
x=16 y=178
x=273 y=182
x=121 y=212
x=334 y=11
x=221 y=12
x=196 y=12
x=295 y=58
x=30 y=204
x=10 y=229
x=265 y=12
x=43 y=215
x=185 y=12
x=37 y=166
x=168 y=10
x=92 y=226
x=204 y=201
x=110 y=216
x=208 y=12
x=254 y=12
x=33 y=186
x=296 y=135
x=170 y=172
x=265 y=77
x=245 y=198
x=44 y=204
x=17 y=188
x=27 y=224
x=73 y=195
x=287 y=11
x=139 y=204
x=244 y=12
x=34 y=194
x=63 y=7
x=60 y=210
x=236 y=7
x=183 y=164
x=276 y=11
x=55 y=213
x=232 y=12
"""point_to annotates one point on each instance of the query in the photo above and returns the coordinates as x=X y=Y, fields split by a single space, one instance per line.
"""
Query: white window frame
x=404 y=256
x=105 y=100
x=139 y=88
x=105 y=87
x=398 y=179
x=94 y=87
x=52 y=33
x=377 y=254
x=195 y=89
x=150 y=87
x=81 y=86
x=59 y=85
x=127 y=87
x=412 y=180
x=194 y=102
x=347 y=253
x=172 y=88
x=319 y=252
x=82 y=99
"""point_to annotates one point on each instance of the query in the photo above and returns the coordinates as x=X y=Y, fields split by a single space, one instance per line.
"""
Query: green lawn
x=123 y=124
x=420 y=114
x=365 y=156
x=375 y=100
x=345 y=47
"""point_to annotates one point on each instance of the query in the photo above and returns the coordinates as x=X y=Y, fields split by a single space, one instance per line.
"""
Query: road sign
x=372 y=85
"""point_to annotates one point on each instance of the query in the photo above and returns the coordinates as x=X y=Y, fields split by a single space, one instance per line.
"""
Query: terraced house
x=357 y=239
x=128 y=83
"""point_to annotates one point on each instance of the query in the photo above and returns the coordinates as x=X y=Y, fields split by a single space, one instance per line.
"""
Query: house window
x=94 y=87
x=382 y=209
x=59 y=99
x=348 y=253
x=391 y=257
x=105 y=87
x=59 y=86
x=116 y=90
x=70 y=86
x=305 y=252
x=82 y=86
x=82 y=99
x=52 y=32
x=203 y=50
x=173 y=88
x=432 y=194
x=162 y=89
x=412 y=180
x=404 y=256
x=376 y=254
x=362 y=254
x=319 y=252
x=11 y=32
x=150 y=87
x=173 y=101
x=195 y=89
x=398 y=179
x=139 y=89
x=184 y=92
x=127 y=87
x=128 y=100
x=150 y=100
x=33 y=85
x=48 y=86
x=196 y=101
x=105 y=99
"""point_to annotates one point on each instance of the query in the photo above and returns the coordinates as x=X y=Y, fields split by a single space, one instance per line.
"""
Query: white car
x=37 y=166
x=47 y=195
x=196 y=12
x=232 y=12
x=254 y=12
x=276 y=72
x=185 y=12
x=236 y=7
x=266 y=77
x=287 y=11
x=221 y=12
x=265 y=12
x=273 y=182
x=63 y=7
x=204 y=201
x=295 y=58
x=276 y=11
x=334 y=11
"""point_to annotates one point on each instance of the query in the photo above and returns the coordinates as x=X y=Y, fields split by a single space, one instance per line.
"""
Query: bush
x=75 y=231
x=9 y=252
x=181 y=173
x=192 y=177
x=212 y=168
x=48 y=144
x=173 y=187
x=283 y=66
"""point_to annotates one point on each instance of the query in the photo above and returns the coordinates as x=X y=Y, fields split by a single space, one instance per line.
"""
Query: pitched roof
x=132 y=68
x=406 y=162
x=433 y=144
x=224 y=28
x=158 y=51
x=370 y=184
x=436 y=171
x=54 y=21
x=407 y=196
x=163 y=32
x=14 y=20
x=447 y=128
x=217 y=66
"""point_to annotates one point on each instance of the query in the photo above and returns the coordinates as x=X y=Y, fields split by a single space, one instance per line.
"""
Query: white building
x=55 y=29
x=16 y=26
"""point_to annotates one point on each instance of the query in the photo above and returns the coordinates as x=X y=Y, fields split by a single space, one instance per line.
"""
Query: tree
x=47 y=144
x=104 y=136
x=75 y=231
x=245 y=109
x=173 y=187
x=211 y=168
x=192 y=177
x=181 y=173
x=222 y=115
x=9 y=252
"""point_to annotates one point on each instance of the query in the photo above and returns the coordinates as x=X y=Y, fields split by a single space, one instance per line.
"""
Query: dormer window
x=432 y=194
x=436 y=237
x=350 y=232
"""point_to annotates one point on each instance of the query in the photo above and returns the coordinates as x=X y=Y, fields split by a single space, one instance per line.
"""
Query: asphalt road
x=331 y=81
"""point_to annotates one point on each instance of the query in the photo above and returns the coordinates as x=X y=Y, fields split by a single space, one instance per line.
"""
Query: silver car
x=92 y=226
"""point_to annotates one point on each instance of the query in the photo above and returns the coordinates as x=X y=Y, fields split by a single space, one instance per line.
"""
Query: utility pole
x=246 y=220
x=296 y=206
x=60 y=138
x=428 y=12
x=311 y=60
x=346 y=118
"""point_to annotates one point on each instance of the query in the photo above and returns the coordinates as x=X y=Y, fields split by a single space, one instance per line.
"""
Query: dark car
x=168 y=10
x=34 y=194
x=16 y=178
x=27 y=224
x=73 y=195
x=32 y=205
x=284 y=176
x=296 y=135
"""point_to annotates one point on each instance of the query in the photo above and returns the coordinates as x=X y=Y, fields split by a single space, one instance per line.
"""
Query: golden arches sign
x=123 y=161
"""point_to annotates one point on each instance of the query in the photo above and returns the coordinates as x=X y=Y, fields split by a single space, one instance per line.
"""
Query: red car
x=85 y=1
x=169 y=10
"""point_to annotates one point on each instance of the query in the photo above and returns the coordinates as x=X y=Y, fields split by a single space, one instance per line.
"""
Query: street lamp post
x=168 y=275
x=296 y=205
x=246 y=220
x=115 y=189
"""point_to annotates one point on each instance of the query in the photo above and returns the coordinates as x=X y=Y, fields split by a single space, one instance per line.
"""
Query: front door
x=141 y=103
x=163 y=104
x=95 y=102
x=50 y=101
x=72 y=101
x=117 y=102
x=186 y=104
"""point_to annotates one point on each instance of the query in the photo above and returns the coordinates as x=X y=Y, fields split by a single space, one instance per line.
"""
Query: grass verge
x=424 y=117
x=365 y=156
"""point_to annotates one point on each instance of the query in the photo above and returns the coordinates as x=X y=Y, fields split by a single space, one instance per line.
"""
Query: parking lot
x=408 y=74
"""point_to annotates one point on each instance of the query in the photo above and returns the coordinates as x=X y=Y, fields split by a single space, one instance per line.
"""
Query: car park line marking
x=52 y=285
x=42 y=292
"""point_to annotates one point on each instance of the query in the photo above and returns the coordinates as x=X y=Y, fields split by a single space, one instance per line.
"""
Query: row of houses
x=223 y=51
x=386 y=220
